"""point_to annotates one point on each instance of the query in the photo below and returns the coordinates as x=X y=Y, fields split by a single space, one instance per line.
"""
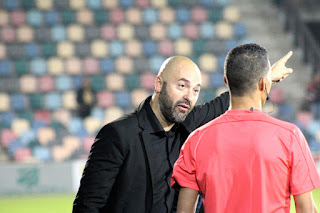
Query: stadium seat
x=55 y=66
x=115 y=82
x=105 y=99
x=123 y=99
x=32 y=50
x=10 y=85
x=231 y=14
x=42 y=153
x=18 y=102
x=167 y=15
x=143 y=3
x=99 y=48
x=217 y=79
x=166 y=48
x=19 y=126
x=87 y=143
x=21 y=67
x=68 y=17
x=28 y=84
x=108 y=32
x=4 y=18
x=65 y=49
x=82 y=49
x=58 y=33
x=85 y=17
x=3 y=51
x=132 y=81
x=158 y=31
x=110 y=4
x=133 y=16
x=63 y=83
x=46 y=135
x=44 y=4
x=34 y=18
x=208 y=62
x=313 y=127
x=27 y=137
x=62 y=116
x=124 y=64
x=38 y=66
x=22 y=154
x=52 y=101
x=92 y=125
x=147 y=80
x=141 y=65
x=138 y=95
x=75 y=125
x=46 y=84
x=5 y=68
x=126 y=3
x=94 y=4
x=240 y=30
x=199 y=47
x=205 y=80
x=41 y=34
x=98 y=82
x=183 y=47
x=150 y=16
x=73 y=66
x=52 y=17
x=75 y=33
x=191 y=31
x=149 y=48
x=133 y=48
x=303 y=117
x=7 y=136
x=207 y=30
x=286 y=112
x=42 y=116
x=112 y=113
x=159 y=3
x=125 y=31
x=27 y=4
x=198 y=14
x=70 y=144
x=90 y=65
x=58 y=153
x=117 y=16
x=8 y=34
x=215 y=14
x=156 y=62
x=13 y=146
x=182 y=15
x=18 y=17
x=107 y=65
x=101 y=17
x=224 y=30
x=97 y=113
x=77 y=4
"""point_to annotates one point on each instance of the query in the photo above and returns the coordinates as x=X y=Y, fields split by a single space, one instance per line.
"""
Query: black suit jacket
x=117 y=176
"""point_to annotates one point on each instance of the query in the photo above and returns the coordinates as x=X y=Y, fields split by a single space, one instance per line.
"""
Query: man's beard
x=169 y=109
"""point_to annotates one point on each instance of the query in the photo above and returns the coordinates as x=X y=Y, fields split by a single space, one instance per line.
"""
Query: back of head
x=244 y=66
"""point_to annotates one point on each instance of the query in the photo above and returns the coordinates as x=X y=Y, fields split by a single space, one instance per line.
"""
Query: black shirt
x=164 y=144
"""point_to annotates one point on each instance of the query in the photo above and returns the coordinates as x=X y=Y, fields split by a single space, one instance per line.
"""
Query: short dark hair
x=244 y=66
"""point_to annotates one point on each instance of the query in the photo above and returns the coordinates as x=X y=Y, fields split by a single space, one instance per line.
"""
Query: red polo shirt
x=246 y=161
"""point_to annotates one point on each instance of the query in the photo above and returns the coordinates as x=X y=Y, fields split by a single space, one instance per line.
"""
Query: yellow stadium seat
x=224 y=30
x=70 y=144
x=62 y=115
x=115 y=82
x=124 y=64
x=45 y=135
x=55 y=66
x=19 y=126
x=99 y=48
x=125 y=32
x=208 y=62
x=231 y=14
x=73 y=66
x=24 y=34
x=75 y=32
x=65 y=49
x=159 y=3
x=4 y=18
x=138 y=95
x=158 y=31
x=4 y=102
x=205 y=80
x=133 y=48
x=110 y=4
x=92 y=125
x=112 y=113
x=2 y=51
x=85 y=17
x=167 y=15
x=77 y=4
x=69 y=100
x=28 y=84
x=183 y=47
x=44 y=4
x=133 y=16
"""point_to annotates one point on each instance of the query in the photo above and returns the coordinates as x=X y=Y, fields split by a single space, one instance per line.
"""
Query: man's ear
x=262 y=83
x=158 y=84
x=225 y=80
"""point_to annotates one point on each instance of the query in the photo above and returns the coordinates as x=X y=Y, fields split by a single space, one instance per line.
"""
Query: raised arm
x=105 y=159
x=279 y=69
x=187 y=200
x=304 y=203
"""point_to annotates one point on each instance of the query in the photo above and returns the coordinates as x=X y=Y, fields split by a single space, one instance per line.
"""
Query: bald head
x=177 y=64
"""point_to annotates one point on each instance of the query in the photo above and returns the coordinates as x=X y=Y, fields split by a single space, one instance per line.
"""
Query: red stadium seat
x=7 y=135
x=22 y=154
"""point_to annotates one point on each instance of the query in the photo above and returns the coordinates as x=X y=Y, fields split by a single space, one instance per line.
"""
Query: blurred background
x=68 y=67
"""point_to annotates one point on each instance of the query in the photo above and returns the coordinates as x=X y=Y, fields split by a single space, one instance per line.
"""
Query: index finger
x=286 y=57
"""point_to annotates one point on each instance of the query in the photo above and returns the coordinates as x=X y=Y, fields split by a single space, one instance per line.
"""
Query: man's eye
x=196 y=90
x=181 y=85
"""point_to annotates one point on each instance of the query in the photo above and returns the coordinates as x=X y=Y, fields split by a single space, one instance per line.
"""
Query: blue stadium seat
x=7 y=117
x=58 y=33
x=314 y=127
x=183 y=15
x=6 y=68
x=150 y=16
x=18 y=102
x=207 y=3
x=175 y=31
x=207 y=30
x=239 y=30
x=34 y=18
x=127 y=3
x=75 y=125
x=230 y=44
x=63 y=83
x=53 y=101
x=35 y=125
x=11 y=4
x=94 y=4
x=116 y=48
x=77 y=81
x=98 y=113
x=13 y=146
x=286 y=112
x=38 y=66
x=27 y=137
x=123 y=99
x=149 y=48
x=42 y=153
x=156 y=62
x=32 y=50
x=51 y=18
x=107 y=65
x=216 y=79
x=221 y=60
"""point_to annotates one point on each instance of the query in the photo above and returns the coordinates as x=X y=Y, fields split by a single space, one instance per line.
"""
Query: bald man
x=130 y=163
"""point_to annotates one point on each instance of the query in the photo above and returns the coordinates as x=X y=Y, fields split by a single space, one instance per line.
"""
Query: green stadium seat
x=215 y=14
x=49 y=50
x=21 y=67
x=36 y=101
x=68 y=17
x=98 y=83
x=101 y=17
x=132 y=81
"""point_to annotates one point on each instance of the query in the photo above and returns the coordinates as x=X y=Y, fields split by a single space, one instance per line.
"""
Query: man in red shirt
x=246 y=160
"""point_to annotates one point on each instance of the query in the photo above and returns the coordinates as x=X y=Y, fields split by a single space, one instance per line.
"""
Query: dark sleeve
x=106 y=157
x=204 y=113
x=79 y=96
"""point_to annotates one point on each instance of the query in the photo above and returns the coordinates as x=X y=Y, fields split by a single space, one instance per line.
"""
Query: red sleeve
x=304 y=175
x=184 y=171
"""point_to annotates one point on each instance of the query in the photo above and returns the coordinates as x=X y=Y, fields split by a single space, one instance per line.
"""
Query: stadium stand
x=47 y=48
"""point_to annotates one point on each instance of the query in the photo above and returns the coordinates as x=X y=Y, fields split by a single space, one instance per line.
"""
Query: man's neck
x=154 y=103
x=245 y=103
